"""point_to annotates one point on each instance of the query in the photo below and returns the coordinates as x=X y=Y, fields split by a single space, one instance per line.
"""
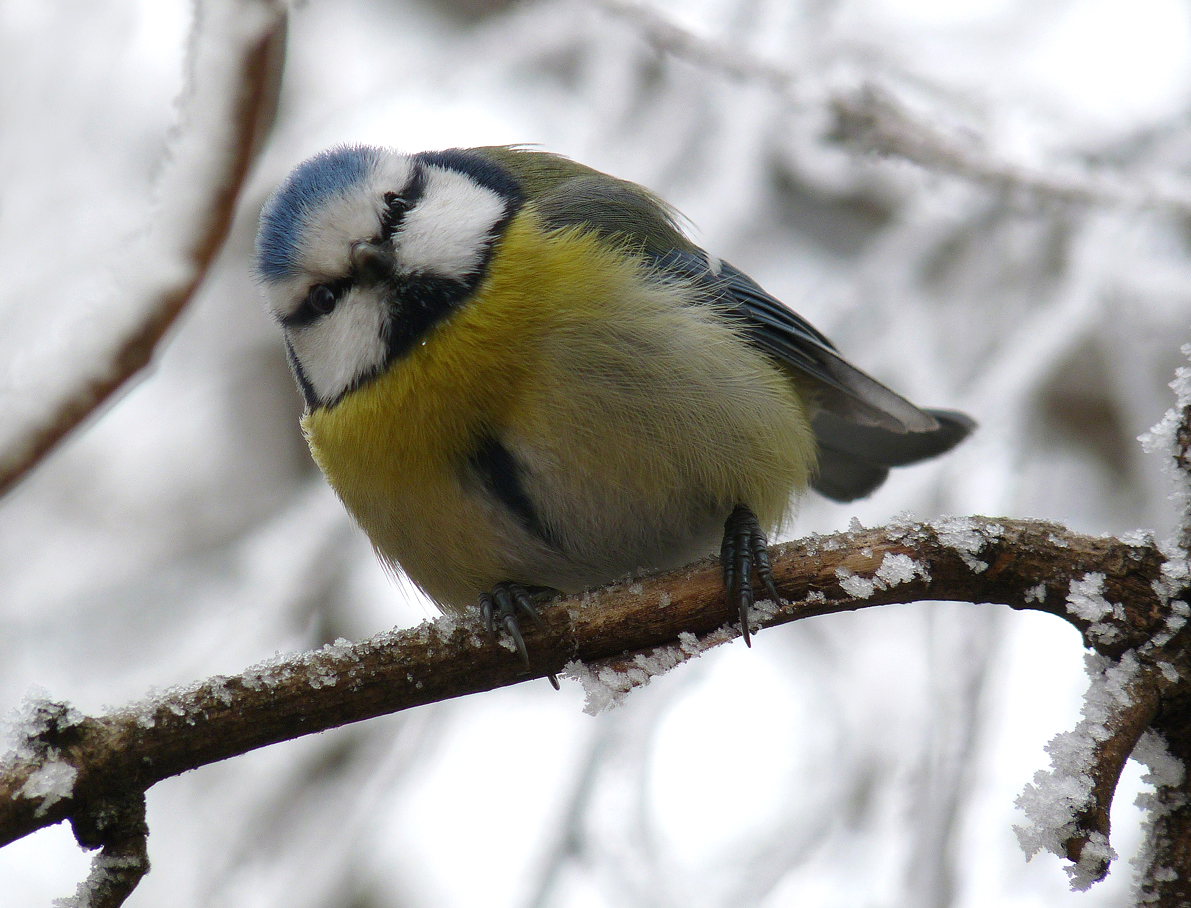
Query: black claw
x=743 y=555
x=501 y=606
x=525 y=604
x=486 y=611
x=760 y=550
x=515 y=632
x=554 y=681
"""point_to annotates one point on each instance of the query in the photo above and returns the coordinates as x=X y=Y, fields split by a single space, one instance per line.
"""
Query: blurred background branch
x=873 y=119
x=229 y=106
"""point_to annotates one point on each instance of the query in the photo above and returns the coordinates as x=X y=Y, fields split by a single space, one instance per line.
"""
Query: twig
x=872 y=118
x=670 y=38
x=229 y=108
x=875 y=120
x=118 y=829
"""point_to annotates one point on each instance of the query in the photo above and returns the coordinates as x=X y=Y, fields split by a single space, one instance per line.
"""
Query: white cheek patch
x=284 y=297
x=447 y=233
x=342 y=346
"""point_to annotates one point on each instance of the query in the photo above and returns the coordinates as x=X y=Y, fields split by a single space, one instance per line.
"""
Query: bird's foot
x=744 y=555
x=501 y=606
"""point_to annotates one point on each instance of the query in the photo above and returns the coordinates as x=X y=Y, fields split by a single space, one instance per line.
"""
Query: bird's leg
x=743 y=554
x=500 y=607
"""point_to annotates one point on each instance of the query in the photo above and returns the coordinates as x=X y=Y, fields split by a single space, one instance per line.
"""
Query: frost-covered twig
x=1067 y=808
x=872 y=118
x=613 y=638
x=118 y=829
x=1172 y=437
x=1164 y=862
x=230 y=100
x=669 y=37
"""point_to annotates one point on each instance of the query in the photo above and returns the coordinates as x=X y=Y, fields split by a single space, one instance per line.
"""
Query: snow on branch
x=237 y=47
x=68 y=766
x=1136 y=706
x=873 y=118
x=1067 y=808
x=1172 y=436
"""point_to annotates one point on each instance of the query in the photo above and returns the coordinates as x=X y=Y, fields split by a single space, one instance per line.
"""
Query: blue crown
x=305 y=190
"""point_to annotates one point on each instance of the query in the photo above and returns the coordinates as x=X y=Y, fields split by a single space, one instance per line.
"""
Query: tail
x=854 y=460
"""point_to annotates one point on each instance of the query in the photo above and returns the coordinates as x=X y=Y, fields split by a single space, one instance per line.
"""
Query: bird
x=521 y=378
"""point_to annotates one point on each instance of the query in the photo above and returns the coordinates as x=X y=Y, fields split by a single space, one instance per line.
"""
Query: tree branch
x=615 y=638
x=228 y=111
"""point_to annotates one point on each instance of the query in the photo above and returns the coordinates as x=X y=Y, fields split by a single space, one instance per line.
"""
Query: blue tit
x=520 y=376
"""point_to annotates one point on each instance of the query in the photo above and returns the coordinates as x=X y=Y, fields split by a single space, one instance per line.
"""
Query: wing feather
x=862 y=427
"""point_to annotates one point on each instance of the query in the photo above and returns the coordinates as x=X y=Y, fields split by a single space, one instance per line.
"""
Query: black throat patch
x=420 y=301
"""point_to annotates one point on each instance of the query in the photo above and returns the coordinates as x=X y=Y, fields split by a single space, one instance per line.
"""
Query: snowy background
x=858 y=760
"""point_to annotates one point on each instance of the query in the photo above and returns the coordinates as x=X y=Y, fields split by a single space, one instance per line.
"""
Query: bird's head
x=362 y=250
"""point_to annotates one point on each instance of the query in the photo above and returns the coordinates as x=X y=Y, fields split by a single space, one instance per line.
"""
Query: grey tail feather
x=854 y=460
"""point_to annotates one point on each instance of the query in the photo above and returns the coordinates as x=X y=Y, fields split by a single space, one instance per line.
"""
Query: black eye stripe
x=319 y=301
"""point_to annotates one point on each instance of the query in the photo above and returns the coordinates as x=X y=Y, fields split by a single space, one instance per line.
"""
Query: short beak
x=372 y=262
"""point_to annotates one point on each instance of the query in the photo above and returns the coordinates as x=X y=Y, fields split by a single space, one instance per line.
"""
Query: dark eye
x=396 y=207
x=321 y=299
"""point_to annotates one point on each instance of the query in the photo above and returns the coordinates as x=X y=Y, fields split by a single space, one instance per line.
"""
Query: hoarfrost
x=901 y=526
x=1175 y=576
x=1166 y=774
x=895 y=569
x=22 y=727
x=1163 y=438
x=1052 y=802
x=1094 y=856
x=52 y=782
x=1138 y=538
x=856 y=587
x=606 y=687
x=220 y=691
x=1165 y=769
x=968 y=538
x=1036 y=593
x=22 y=734
x=1166 y=875
x=103 y=867
x=1085 y=598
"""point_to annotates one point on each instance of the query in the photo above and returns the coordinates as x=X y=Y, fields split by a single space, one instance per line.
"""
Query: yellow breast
x=628 y=408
